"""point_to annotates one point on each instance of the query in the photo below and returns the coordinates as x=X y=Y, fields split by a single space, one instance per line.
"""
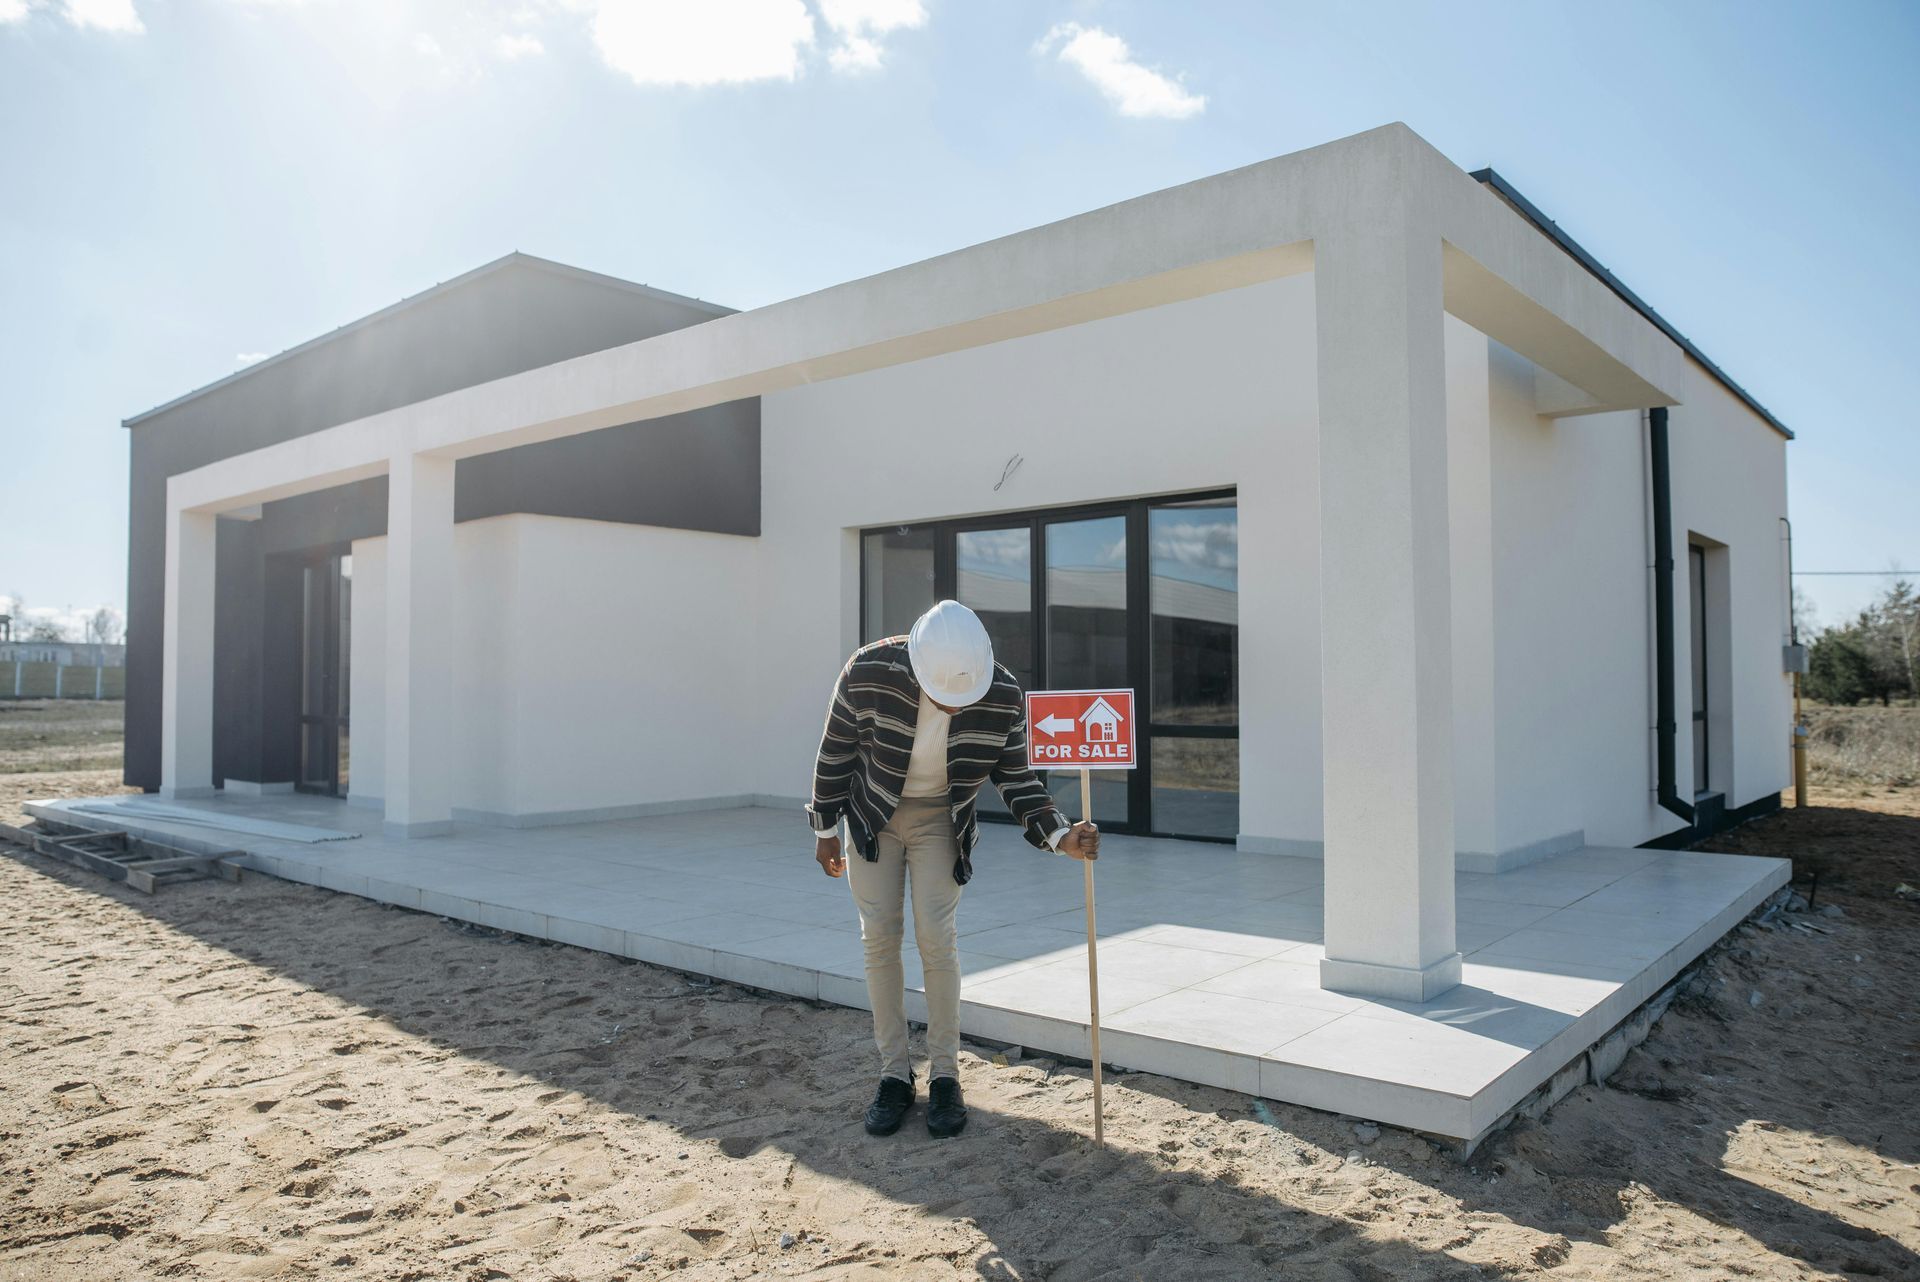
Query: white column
x=418 y=788
x=1386 y=651
x=186 y=678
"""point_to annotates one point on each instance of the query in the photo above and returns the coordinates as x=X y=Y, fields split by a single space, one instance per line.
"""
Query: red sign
x=1080 y=730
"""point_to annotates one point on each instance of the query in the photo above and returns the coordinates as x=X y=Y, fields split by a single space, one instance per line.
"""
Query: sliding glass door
x=1141 y=593
x=896 y=579
x=993 y=576
x=1087 y=642
x=1193 y=606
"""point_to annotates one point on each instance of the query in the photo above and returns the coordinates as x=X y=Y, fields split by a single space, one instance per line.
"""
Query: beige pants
x=917 y=847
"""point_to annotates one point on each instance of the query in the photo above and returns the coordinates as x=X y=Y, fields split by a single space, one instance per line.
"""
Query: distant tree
x=1876 y=656
x=1806 y=622
x=1838 y=668
x=104 y=627
x=26 y=628
x=1897 y=637
x=46 y=630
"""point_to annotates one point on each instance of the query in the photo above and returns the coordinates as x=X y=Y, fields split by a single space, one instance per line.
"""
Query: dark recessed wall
x=699 y=471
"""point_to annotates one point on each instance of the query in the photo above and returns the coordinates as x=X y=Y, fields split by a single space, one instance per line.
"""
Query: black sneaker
x=946 y=1111
x=890 y=1105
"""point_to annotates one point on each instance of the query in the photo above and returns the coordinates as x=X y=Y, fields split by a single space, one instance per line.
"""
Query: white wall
x=636 y=650
x=1573 y=631
x=1730 y=485
x=367 y=685
x=597 y=666
x=601 y=666
x=1214 y=392
x=483 y=557
x=1470 y=530
x=1543 y=615
x=1218 y=391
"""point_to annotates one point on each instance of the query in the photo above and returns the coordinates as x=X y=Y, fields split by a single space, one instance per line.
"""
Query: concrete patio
x=1209 y=957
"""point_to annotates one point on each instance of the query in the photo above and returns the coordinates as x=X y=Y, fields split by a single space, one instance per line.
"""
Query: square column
x=418 y=789
x=1385 y=610
x=186 y=674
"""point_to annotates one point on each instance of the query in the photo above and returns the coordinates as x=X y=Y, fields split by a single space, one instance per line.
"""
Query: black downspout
x=1666 y=724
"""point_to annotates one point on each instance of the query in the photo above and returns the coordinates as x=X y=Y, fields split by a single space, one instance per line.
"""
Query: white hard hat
x=951 y=654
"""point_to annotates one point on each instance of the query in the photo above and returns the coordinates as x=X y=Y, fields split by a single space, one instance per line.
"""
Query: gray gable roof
x=643 y=307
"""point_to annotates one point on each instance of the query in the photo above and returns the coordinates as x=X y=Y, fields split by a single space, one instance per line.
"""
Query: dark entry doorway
x=326 y=627
x=1697 y=599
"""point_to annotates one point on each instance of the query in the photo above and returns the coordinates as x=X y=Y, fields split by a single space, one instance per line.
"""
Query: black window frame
x=1139 y=621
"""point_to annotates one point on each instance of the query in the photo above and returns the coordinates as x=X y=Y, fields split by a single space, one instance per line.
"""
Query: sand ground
x=274 y=1081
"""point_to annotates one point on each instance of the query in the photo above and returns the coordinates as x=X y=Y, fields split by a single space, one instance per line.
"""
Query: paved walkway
x=1209 y=958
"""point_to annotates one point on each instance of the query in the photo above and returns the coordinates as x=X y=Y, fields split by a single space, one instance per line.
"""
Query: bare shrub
x=1872 y=746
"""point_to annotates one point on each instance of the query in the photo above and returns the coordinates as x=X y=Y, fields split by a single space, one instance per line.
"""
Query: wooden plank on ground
x=119 y=856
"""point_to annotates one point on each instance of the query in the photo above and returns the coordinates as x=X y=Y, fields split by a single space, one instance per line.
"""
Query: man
x=916 y=725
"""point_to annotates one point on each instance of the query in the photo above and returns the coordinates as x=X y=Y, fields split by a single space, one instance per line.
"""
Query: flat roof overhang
x=1501 y=275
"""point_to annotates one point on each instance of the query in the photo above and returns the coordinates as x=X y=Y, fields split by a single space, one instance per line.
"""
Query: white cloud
x=879 y=16
x=462 y=63
x=860 y=23
x=653 y=42
x=1133 y=89
x=248 y=358
x=703 y=42
x=1213 y=545
x=106 y=15
x=515 y=46
x=69 y=620
x=979 y=549
x=855 y=53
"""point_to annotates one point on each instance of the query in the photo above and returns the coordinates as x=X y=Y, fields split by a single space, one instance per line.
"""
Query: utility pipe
x=1799 y=719
x=1666 y=726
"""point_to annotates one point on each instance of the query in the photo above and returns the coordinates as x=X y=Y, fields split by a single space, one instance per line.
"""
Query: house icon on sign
x=1102 y=722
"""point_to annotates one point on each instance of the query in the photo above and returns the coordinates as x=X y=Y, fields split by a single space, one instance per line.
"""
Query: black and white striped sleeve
x=834 y=766
x=1028 y=798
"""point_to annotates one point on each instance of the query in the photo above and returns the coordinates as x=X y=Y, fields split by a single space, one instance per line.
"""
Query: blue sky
x=188 y=183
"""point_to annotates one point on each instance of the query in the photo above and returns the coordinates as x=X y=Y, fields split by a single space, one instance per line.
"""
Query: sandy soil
x=18 y=789
x=60 y=735
x=270 y=1080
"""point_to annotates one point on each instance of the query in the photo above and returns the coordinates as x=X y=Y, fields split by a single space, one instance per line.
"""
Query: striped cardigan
x=868 y=741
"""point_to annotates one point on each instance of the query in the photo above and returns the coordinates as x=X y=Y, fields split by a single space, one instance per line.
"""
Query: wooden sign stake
x=1092 y=729
x=1093 y=965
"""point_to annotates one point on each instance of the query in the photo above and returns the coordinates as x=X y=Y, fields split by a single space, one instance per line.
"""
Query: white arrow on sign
x=1051 y=724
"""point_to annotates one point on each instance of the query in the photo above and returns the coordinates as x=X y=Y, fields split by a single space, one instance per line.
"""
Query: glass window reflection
x=1194 y=598
x=899 y=568
x=993 y=572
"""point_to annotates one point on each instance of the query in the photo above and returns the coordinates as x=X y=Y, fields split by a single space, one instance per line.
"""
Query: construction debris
x=119 y=856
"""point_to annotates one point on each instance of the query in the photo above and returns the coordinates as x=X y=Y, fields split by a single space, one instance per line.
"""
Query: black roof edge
x=514 y=258
x=1532 y=214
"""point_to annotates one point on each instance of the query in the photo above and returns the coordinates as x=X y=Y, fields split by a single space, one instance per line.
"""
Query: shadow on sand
x=1271 y=1200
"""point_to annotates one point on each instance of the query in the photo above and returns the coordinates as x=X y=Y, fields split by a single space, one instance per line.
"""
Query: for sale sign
x=1080 y=730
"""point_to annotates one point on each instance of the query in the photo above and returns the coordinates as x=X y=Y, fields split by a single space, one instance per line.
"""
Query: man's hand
x=1082 y=841
x=826 y=852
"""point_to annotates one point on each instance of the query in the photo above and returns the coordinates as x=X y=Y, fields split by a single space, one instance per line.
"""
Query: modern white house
x=1430 y=549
